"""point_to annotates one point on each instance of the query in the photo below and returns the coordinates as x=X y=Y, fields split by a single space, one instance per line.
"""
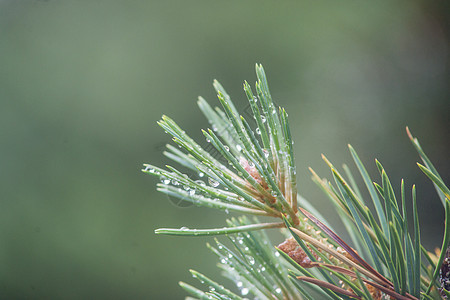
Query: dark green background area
x=82 y=84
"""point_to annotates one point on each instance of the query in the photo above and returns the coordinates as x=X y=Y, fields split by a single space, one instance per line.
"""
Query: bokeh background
x=82 y=84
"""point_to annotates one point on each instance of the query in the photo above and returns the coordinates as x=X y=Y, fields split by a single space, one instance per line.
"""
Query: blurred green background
x=82 y=84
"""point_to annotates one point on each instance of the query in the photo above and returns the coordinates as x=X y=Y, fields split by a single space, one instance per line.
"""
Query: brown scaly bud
x=374 y=292
x=293 y=249
x=347 y=255
x=444 y=274
x=251 y=169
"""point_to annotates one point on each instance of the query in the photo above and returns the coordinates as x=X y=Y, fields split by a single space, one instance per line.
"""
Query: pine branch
x=253 y=172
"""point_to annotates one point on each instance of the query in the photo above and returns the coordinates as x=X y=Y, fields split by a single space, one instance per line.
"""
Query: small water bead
x=192 y=192
x=250 y=259
x=174 y=182
x=149 y=169
x=278 y=291
x=223 y=260
x=239 y=284
x=266 y=153
x=212 y=182
x=263 y=119
x=293 y=170
x=238 y=148
x=258 y=131
x=277 y=254
x=263 y=269
x=227 y=148
x=165 y=180
x=200 y=182
x=201 y=174
x=244 y=291
x=184 y=228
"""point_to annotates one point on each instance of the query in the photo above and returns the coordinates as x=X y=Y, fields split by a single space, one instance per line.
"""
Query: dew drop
x=226 y=148
x=244 y=291
x=149 y=169
x=277 y=254
x=238 y=148
x=250 y=259
x=200 y=182
x=263 y=119
x=258 y=131
x=201 y=174
x=184 y=228
x=278 y=291
x=212 y=182
x=239 y=284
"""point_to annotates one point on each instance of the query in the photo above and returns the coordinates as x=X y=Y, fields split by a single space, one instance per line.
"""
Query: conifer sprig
x=252 y=172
